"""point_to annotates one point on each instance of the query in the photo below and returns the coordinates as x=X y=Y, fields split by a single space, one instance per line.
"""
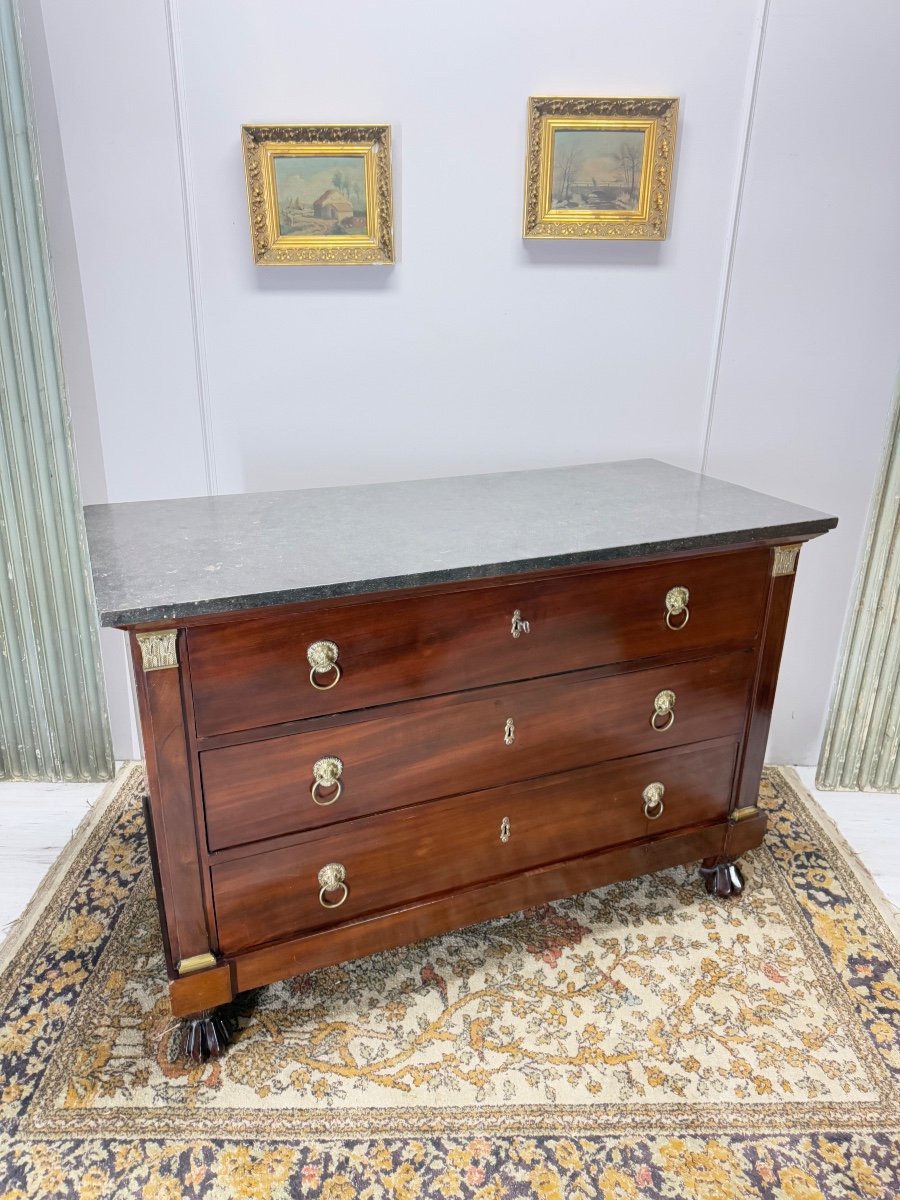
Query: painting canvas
x=320 y=195
x=597 y=169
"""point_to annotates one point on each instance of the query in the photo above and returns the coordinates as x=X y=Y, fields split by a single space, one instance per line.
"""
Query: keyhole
x=504 y=830
x=518 y=625
x=509 y=733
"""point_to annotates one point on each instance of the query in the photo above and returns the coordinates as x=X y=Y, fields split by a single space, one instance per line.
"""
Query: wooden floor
x=870 y=821
x=37 y=819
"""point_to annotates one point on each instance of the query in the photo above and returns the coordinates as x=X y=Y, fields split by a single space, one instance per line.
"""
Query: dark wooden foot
x=722 y=877
x=207 y=1034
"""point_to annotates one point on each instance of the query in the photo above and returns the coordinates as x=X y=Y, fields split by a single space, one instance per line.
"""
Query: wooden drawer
x=445 y=745
x=400 y=857
x=255 y=673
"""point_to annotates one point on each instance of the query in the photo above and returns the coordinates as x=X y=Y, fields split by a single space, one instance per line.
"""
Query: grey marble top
x=161 y=559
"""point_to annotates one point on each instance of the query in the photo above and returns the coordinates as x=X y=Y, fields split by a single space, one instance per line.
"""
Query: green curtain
x=53 y=722
x=862 y=745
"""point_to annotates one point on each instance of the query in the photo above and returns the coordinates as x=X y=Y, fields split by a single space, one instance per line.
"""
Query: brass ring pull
x=331 y=878
x=324 y=687
x=677 y=605
x=653 y=801
x=327 y=774
x=663 y=707
x=322 y=658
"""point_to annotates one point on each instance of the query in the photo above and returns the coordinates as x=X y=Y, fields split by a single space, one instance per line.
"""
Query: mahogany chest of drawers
x=374 y=714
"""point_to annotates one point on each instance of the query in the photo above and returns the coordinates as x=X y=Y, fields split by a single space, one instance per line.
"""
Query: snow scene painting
x=597 y=169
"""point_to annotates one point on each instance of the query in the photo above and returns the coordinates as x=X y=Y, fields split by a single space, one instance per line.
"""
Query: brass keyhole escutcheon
x=326 y=775
x=677 y=607
x=663 y=711
x=323 y=659
x=509 y=732
x=519 y=626
x=504 y=830
x=331 y=879
x=653 y=800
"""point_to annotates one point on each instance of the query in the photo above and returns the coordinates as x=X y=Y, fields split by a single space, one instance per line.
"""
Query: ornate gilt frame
x=272 y=248
x=656 y=118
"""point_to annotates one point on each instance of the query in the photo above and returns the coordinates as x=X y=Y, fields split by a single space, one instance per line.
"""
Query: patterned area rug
x=639 y=1042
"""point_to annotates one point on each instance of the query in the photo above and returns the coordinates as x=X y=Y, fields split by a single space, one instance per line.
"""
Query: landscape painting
x=599 y=167
x=596 y=169
x=321 y=195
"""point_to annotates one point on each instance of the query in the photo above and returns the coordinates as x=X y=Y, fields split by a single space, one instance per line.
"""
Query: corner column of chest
x=783 y=566
x=198 y=980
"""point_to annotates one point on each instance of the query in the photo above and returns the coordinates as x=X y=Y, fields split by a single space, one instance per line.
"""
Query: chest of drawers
x=374 y=714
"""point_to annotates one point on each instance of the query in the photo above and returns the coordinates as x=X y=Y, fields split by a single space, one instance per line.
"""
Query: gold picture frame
x=319 y=194
x=599 y=167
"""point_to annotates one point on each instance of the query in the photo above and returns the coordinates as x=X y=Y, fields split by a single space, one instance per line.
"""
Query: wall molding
x=861 y=751
x=732 y=241
x=189 y=212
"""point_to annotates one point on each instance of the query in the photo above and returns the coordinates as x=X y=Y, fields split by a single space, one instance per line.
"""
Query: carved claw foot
x=207 y=1034
x=722 y=878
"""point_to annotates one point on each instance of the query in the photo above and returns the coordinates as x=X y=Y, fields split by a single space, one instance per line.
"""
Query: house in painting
x=333 y=206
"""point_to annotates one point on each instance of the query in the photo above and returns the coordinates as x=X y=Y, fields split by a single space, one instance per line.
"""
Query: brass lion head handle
x=663 y=717
x=653 y=800
x=327 y=776
x=323 y=658
x=677 y=607
x=331 y=879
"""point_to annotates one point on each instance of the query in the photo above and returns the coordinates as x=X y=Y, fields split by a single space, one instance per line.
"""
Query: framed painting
x=319 y=194
x=599 y=168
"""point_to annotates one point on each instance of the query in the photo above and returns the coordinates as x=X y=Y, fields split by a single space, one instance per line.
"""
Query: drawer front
x=480 y=739
x=249 y=674
x=401 y=857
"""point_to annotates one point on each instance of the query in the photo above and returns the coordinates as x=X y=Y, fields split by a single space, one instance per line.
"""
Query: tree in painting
x=565 y=172
x=629 y=157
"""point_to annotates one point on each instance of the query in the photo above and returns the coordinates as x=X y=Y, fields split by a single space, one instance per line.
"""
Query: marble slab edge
x=127 y=617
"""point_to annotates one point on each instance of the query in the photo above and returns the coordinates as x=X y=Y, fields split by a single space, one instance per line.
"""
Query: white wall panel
x=476 y=352
x=110 y=70
x=812 y=334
